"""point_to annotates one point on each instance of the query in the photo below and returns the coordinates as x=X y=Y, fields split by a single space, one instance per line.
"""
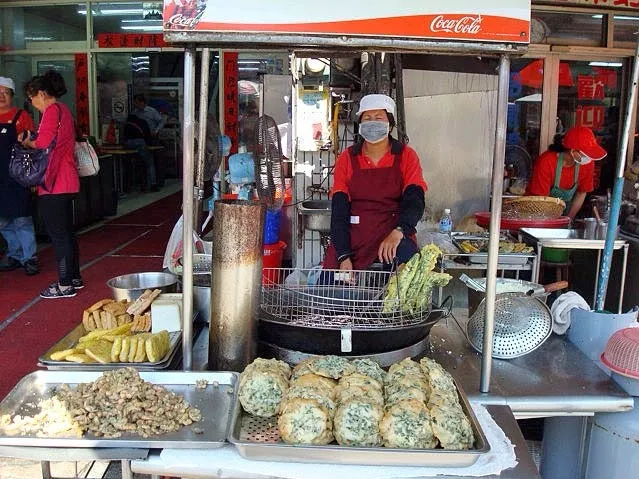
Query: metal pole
x=495 y=221
x=201 y=145
x=617 y=191
x=399 y=96
x=188 y=139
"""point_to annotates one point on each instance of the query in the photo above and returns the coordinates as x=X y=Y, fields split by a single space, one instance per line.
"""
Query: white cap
x=446 y=211
x=376 y=102
x=7 y=82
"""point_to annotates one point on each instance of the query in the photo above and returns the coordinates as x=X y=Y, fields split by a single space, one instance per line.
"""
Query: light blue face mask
x=582 y=159
x=373 y=131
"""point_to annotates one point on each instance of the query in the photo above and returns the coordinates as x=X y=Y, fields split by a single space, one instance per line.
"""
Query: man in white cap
x=377 y=195
x=16 y=222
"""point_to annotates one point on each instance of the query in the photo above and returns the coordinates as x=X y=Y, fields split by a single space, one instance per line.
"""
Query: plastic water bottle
x=446 y=222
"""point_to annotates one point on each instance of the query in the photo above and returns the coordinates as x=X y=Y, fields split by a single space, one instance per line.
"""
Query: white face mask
x=374 y=131
x=582 y=159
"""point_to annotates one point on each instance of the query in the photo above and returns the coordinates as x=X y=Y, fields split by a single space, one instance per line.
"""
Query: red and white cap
x=583 y=139
x=376 y=101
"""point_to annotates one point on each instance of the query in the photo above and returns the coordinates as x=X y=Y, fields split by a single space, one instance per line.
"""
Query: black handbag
x=27 y=166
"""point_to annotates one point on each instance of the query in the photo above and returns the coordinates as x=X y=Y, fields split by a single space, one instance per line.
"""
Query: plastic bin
x=273 y=254
x=590 y=331
x=555 y=255
x=272 y=223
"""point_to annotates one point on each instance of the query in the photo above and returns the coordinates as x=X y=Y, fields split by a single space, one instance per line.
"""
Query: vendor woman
x=566 y=171
x=377 y=196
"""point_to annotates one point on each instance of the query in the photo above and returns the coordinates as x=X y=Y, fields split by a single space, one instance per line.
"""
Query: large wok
x=328 y=340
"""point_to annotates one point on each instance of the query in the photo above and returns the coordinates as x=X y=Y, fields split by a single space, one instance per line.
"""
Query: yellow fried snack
x=116 y=348
x=79 y=358
x=99 y=333
x=100 y=351
x=157 y=345
x=123 y=318
x=124 y=352
x=100 y=304
x=140 y=353
x=62 y=355
x=133 y=348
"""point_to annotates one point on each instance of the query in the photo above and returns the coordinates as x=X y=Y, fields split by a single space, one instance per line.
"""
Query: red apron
x=376 y=195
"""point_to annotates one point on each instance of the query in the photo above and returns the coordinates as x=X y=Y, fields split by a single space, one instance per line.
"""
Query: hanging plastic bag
x=296 y=278
x=174 y=247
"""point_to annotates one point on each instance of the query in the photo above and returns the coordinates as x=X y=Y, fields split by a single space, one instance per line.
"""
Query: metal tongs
x=473 y=284
x=540 y=290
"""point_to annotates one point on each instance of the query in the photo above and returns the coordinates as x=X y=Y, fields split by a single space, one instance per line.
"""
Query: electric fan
x=267 y=153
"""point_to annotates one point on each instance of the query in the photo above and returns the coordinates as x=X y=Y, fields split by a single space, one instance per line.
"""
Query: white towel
x=561 y=308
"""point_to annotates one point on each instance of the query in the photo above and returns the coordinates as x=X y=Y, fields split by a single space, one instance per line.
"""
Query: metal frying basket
x=522 y=324
x=338 y=299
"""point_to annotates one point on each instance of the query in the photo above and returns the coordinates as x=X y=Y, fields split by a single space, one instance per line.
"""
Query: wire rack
x=335 y=299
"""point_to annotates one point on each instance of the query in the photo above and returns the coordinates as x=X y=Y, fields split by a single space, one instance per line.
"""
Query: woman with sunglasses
x=61 y=182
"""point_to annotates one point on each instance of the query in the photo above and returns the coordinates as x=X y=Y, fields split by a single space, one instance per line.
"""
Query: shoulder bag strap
x=15 y=118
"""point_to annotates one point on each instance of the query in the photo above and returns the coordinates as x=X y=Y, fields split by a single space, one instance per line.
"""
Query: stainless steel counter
x=555 y=380
x=202 y=463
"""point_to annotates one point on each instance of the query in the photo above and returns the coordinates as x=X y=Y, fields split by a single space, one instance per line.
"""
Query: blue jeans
x=140 y=145
x=20 y=237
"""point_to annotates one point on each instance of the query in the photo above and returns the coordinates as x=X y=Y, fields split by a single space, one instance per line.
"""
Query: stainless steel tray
x=258 y=438
x=563 y=238
x=502 y=258
x=482 y=258
x=215 y=402
x=71 y=339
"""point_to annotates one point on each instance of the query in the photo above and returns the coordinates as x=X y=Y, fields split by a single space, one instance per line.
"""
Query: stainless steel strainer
x=522 y=324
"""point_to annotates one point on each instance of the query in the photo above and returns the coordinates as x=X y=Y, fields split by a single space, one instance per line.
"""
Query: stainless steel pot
x=131 y=286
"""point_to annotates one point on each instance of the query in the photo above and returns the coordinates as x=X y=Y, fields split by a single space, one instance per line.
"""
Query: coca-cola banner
x=506 y=21
x=618 y=4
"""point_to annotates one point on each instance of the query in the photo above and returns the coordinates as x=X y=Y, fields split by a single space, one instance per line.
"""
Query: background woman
x=16 y=222
x=566 y=171
x=378 y=194
x=61 y=182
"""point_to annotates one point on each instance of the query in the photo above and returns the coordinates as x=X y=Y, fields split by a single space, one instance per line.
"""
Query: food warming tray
x=482 y=258
x=258 y=438
x=72 y=338
x=215 y=402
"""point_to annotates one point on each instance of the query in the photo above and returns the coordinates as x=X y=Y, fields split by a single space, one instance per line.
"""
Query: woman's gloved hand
x=388 y=248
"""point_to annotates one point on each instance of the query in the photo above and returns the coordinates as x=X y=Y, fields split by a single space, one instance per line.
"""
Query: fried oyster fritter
x=325 y=386
x=452 y=427
x=370 y=368
x=305 y=421
x=331 y=366
x=407 y=425
x=261 y=391
x=357 y=423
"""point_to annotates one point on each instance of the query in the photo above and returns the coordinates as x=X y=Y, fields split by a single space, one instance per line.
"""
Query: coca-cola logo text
x=468 y=24
x=184 y=21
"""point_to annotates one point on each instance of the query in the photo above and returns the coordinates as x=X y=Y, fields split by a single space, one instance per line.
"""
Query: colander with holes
x=622 y=352
x=522 y=324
